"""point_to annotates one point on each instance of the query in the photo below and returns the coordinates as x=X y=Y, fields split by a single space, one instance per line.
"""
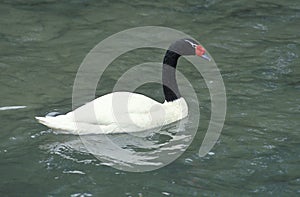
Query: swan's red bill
x=201 y=52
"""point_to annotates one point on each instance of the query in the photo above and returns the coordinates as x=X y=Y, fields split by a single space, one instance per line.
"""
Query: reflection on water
x=137 y=152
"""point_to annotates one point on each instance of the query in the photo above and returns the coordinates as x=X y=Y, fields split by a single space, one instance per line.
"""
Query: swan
x=120 y=112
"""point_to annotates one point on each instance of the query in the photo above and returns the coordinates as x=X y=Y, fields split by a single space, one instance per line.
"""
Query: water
x=255 y=44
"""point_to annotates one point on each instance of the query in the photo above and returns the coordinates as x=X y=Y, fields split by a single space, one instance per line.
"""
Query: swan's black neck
x=180 y=47
x=170 y=86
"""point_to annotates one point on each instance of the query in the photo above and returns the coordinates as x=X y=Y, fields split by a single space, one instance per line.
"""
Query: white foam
x=12 y=107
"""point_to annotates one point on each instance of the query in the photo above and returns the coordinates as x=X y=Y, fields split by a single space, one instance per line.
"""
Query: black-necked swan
x=107 y=113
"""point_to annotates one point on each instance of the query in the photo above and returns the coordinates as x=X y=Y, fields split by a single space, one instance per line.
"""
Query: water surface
x=254 y=43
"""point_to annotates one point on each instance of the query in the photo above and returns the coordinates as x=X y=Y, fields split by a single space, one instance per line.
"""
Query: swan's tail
x=65 y=124
x=61 y=124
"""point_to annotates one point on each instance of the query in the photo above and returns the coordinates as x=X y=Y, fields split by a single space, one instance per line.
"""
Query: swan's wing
x=115 y=107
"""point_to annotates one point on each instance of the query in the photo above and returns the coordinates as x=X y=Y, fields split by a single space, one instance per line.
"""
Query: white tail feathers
x=63 y=124
x=60 y=123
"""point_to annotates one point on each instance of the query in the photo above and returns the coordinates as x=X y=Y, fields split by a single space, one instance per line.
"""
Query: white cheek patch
x=191 y=43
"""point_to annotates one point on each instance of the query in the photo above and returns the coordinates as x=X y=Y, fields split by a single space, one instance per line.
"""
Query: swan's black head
x=187 y=46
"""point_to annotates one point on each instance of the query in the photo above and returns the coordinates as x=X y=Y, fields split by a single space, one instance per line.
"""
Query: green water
x=254 y=43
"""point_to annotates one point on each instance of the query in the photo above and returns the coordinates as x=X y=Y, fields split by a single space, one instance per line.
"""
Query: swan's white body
x=118 y=112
